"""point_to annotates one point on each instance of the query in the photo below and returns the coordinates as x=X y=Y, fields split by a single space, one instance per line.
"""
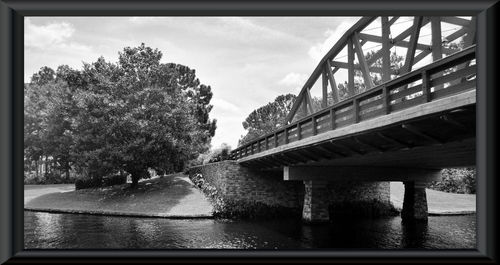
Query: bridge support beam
x=415 y=202
x=316 y=202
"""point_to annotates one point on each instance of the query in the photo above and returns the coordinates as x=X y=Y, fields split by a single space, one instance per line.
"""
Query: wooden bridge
x=422 y=118
x=393 y=122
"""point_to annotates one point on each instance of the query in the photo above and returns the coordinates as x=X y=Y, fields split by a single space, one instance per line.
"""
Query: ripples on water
x=67 y=231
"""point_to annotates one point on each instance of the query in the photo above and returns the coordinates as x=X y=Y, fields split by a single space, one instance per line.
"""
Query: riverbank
x=175 y=196
x=172 y=196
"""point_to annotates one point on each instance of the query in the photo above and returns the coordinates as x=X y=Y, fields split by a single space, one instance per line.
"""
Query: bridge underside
x=439 y=139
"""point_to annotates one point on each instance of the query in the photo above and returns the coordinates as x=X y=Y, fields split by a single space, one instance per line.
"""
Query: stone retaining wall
x=360 y=191
x=237 y=183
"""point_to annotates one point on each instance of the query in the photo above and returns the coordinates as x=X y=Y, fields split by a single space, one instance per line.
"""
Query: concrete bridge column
x=316 y=202
x=415 y=202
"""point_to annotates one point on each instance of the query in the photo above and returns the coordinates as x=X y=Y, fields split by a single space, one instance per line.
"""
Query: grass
x=168 y=196
x=438 y=202
x=176 y=196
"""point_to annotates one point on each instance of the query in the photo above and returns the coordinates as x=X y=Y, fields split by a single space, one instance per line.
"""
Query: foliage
x=134 y=115
x=267 y=118
x=215 y=155
x=456 y=180
x=96 y=182
x=219 y=154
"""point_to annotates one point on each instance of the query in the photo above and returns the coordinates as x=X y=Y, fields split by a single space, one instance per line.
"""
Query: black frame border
x=12 y=14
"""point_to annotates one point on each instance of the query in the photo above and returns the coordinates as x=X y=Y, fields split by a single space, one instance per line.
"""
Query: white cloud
x=293 y=80
x=142 y=20
x=46 y=35
x=320 y=49
x=224 y=105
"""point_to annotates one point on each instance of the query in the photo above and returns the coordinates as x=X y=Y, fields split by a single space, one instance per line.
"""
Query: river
x=69 y=231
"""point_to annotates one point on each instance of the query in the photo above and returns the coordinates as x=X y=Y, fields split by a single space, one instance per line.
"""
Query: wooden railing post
x=426 y=87
x=313 y=123
x=332 y=119
x=275 y=140
x=286 y=135
x=355 y=110
x=299 y=131
x=258 y=146
x=267 y=143
x=386 y=99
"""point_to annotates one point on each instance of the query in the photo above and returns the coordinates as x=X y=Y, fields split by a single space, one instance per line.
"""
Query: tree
x=140 y=114
x=130 y=116
x=46 y=121
x=267 y=118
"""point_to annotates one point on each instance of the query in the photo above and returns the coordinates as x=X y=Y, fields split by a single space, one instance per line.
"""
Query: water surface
x=69 y=231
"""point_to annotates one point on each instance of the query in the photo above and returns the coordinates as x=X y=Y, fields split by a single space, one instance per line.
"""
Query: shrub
x=96 y=182
x=116 y=179
x=456 y=180
x=86 y=183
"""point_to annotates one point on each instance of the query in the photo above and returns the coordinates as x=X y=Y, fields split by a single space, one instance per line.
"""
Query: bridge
x=394 y=122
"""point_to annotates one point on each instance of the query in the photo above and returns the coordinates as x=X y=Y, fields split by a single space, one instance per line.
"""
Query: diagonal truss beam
x=362 y=62
x=363 y=22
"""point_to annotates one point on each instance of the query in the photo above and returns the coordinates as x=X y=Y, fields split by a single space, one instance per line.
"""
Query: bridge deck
x=436 y=90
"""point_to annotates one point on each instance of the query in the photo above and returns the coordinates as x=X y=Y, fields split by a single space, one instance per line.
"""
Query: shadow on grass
x=152 y=196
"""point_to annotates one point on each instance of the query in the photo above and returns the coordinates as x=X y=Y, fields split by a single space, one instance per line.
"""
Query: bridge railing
x=450 y=75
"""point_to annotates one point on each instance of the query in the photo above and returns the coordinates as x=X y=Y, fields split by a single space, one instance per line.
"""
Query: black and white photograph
x=250 y=132
x=234 y=131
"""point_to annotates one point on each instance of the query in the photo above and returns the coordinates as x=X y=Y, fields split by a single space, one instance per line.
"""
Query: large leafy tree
x=267 y=118
x=128 y=116
x=46 y=120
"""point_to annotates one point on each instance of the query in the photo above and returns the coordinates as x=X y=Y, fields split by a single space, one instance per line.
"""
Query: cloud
x=46 y=35
x=142 y=20
x=319 y=50
x=293 y=80
x=224 y=105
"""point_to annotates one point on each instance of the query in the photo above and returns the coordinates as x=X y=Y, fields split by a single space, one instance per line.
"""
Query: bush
x=456 y=180
x=216 y=155
x=86 y=183
x=117 y=179
x=97 y=182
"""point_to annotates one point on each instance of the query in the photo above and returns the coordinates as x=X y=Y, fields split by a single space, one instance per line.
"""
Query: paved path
x=33 y=191
x=438 y=202
x=173 y=196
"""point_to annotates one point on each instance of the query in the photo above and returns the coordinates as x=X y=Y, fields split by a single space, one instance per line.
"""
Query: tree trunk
x=36 y=168
x=45 y=167
x=135 y=180
x=67 y=172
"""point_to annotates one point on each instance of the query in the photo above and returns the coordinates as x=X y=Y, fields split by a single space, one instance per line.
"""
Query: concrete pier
x=415 y=202
x=316 y=202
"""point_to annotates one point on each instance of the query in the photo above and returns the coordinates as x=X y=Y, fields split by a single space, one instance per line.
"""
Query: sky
x=247 y=61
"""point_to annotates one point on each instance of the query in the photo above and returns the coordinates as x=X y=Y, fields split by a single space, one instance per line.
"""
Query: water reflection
x=67 y=231
x=414 y=234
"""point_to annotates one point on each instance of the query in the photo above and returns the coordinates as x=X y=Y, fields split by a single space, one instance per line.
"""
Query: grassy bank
x=168 y=196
